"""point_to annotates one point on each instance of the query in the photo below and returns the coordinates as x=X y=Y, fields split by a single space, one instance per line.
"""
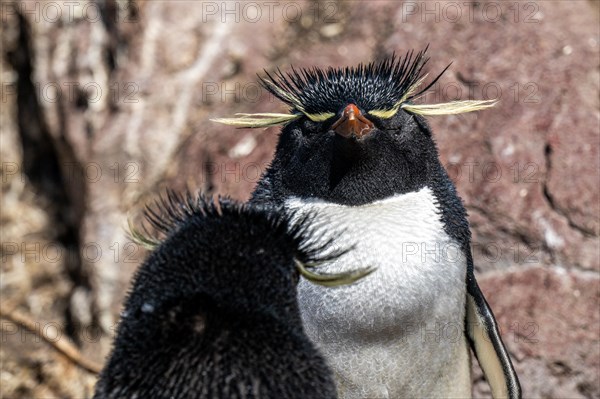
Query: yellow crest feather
x=142 y=238
x=286 y=95
x=320 y=117
x=332 y=280
x=388 y=113
x=451 y=108
x=257 y=120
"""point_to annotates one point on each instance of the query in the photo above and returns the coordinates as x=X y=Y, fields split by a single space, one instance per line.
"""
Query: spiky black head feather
x=174 y=211
x=374 y=86
x=239 y=254
x=376 y=90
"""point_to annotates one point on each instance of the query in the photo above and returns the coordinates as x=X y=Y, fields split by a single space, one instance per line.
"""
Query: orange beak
x=352 y=123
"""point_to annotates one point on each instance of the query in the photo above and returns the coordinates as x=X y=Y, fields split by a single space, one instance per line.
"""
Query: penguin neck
x=350 y=182
x=273 y=189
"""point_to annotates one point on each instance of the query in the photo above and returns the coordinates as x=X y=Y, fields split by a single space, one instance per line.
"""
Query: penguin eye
x=310 y=127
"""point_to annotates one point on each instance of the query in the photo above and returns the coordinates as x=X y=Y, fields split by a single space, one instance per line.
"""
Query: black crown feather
x=172 y=210
x=378 y=88
x=377 y=85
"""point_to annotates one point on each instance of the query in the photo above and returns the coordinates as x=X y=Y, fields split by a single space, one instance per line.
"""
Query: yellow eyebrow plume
x=451 y=108
x=332 y=280
x=384 y=113
x=319 y=117
x=388 y=113
x=257 y=120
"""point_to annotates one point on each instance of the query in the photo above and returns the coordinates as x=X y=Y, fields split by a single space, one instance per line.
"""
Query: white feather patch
x=400 y=331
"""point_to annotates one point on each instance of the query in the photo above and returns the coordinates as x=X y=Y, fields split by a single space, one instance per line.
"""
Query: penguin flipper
x=487 y=345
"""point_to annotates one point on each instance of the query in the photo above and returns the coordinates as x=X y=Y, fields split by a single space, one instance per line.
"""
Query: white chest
x=404 y=320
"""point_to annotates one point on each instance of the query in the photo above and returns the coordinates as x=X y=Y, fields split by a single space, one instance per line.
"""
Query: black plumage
x=212 y=313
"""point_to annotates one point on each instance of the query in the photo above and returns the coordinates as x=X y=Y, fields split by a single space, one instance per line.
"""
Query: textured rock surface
x=550 y=322
x=104 y=103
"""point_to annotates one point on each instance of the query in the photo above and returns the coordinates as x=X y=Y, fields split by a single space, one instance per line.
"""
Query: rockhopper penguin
x=356 y=152
x=213 y=313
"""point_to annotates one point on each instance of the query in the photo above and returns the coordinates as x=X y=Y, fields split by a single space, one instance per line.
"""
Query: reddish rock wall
x=104 y=103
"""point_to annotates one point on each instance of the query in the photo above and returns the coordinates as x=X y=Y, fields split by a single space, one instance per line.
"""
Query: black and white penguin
x=212 y=313
x=356 y=152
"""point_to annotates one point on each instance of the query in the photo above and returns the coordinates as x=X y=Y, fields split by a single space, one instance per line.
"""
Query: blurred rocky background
x=106 y=102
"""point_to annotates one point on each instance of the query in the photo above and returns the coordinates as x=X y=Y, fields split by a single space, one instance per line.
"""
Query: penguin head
x=213 y=310
x=354 y=157
x=354 y=135
x=244 y=257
